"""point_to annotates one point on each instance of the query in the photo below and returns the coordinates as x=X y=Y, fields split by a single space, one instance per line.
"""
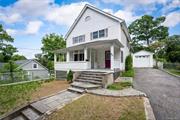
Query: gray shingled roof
x=20 y=62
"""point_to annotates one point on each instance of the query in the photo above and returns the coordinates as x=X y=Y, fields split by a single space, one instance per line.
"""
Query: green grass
x=174 y=71
x=14 y=95
x=129 y=73
x=119 y=85
x=91 y=107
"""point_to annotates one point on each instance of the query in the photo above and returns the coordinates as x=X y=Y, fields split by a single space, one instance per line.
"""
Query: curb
x=170 y=73
x=148 y=110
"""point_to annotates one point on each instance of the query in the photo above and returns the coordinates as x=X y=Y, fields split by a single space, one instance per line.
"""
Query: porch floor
x=99 y=70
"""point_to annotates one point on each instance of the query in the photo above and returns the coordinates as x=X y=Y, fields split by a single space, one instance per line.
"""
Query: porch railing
x=73 y=65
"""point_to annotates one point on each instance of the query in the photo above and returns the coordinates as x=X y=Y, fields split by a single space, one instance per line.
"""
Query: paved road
x=163 y=91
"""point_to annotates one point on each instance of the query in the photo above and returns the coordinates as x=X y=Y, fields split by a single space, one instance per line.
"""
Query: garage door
x=142 y=61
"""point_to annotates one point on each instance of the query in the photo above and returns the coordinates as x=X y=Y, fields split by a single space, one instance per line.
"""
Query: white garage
x=142 y=59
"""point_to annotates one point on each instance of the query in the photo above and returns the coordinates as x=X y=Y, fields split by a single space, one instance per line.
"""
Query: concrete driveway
x=163 y=91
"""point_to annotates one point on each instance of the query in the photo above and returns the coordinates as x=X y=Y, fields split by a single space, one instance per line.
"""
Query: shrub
x=129 y=73
x=128 y=63
x=70 y=76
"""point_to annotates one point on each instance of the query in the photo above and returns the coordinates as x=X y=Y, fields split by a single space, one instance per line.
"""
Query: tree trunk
x=11 y=71
x=148 y=43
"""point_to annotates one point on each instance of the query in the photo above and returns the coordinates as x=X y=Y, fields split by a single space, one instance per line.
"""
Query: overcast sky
x=27 y=21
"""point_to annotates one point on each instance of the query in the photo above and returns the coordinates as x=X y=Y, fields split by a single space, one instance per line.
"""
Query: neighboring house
x=33 y=68
x=96 y=41
x=142 y=59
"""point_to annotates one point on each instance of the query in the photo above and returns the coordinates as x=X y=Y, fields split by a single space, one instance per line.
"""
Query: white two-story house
x=96 y=41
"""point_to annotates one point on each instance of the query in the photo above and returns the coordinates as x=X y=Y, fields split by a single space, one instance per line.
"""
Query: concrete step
x=93 y=73
x=42 y=109
x=89 y=81
x=85 y=85
x=78 y=90
x=20 y=117
x=30 y=114
x=93 y=76
x=90 y=78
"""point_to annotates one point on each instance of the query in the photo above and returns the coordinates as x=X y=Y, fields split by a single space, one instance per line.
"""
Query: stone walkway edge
x=128 y=92
x=148 y=110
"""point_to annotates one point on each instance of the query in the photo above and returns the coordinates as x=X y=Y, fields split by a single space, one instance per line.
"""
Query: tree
x=10 y=68
x=6 y=49
x=52 y=42
x=18 y=57
x=128 y=63
x=148 y=29
x=43 y=59
x=172 y=48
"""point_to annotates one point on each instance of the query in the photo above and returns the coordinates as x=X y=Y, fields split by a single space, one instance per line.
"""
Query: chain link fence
x=175 y=66
x=13 y=77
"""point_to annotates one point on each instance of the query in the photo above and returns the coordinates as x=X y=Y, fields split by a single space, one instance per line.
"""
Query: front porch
x=91 y=57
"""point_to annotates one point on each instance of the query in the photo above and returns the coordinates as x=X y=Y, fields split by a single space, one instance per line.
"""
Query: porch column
x=55 y=58
x=67 y=56
x=85 y=53
x=112 y=56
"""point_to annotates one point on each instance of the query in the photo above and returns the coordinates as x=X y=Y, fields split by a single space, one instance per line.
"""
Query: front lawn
x=129 y=73
x=119 y=85
x=174 y=71
x=16 y=95
x=91 y=107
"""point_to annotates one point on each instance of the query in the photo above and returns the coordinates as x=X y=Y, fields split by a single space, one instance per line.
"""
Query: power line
x=28 y=48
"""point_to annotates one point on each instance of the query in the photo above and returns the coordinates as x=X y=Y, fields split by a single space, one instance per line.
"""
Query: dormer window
x=87 y=18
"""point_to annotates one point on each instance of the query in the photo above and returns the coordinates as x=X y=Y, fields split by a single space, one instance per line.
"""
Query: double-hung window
x=99 y=34
x=78 y=39
x=78 y=55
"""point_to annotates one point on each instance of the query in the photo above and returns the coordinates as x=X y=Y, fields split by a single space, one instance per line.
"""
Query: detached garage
x=142 y=59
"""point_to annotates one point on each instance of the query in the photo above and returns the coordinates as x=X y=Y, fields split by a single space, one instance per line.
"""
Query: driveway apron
x=163 y=91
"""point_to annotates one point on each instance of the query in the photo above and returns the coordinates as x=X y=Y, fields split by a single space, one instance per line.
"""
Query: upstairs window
x=35 y=66
x=102 y=33
x=99 y=34
x=95 y=35
x=78 y=39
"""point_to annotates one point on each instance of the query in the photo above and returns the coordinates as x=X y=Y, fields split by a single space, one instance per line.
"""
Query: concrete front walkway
x=117 y=93
x=163 y=91
x=55 y=102
x=38 y=109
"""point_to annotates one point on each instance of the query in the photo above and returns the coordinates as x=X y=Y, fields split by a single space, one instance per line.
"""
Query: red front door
x=107 y=59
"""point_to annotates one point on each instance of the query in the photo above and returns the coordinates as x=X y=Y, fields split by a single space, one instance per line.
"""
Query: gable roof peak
x=95 y=9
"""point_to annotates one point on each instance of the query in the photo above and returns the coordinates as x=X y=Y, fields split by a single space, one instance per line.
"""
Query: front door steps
x=87 y=80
